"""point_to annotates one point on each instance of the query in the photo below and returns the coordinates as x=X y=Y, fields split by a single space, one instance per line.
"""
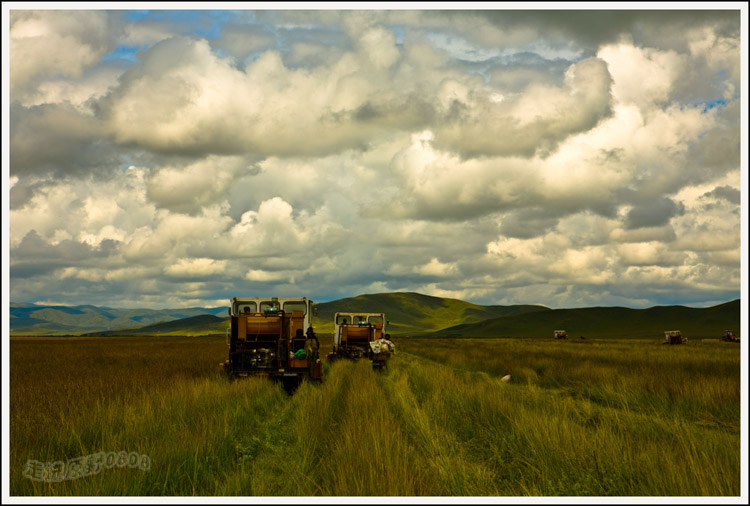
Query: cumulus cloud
x=34 y=256
x=188 y=189
x=532 y=121
x=561 y=158
x=183 y=98
x=436 y=268
x=241 y=42
x=653 y=214
x=527 y=223
x=642 y=76
x=72 y=141
x=195 y=268
x=440 y=185
x=726 y=192
x=50 y=44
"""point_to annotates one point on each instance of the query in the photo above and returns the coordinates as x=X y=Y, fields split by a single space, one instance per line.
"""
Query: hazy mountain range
x=407 y=313
x=46 y=320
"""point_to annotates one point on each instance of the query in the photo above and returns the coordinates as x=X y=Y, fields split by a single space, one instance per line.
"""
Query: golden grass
x=615 y=417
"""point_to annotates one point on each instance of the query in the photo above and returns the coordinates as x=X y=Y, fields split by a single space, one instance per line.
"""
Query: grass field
x=609 y=417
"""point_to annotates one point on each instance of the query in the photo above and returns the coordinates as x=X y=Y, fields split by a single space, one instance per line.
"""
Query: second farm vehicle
x=730 y=336
x=273 y=337
x=674 y=337
x=361 y=335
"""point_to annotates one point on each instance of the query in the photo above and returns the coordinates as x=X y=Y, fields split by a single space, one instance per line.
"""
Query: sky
x=174 y=158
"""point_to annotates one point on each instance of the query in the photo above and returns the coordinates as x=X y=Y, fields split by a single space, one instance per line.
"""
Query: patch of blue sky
x=216 y=22
x=462 y=49
x=120 y=53
x=206 y=23
x=398 y=32
x=137 y=15
x=707 y=106
x=250 y=58
x=127 y=160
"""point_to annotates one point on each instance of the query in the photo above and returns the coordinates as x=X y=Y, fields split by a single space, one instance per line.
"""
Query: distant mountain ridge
x=707 y=322
x=51 y=320
x=408 y=313
x=201 y=325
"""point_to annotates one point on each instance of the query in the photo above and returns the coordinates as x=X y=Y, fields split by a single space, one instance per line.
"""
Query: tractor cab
x=674 y=337
x=358 y=335
x=272 y=337
x=730 y=336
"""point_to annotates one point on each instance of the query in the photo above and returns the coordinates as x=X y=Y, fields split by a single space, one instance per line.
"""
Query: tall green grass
x=617 y=418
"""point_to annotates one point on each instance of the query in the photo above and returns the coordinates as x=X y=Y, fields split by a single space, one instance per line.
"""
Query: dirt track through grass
x=602 y=418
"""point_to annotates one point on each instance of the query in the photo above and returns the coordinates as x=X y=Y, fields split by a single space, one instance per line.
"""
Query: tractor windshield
x=245 y=307
x=270 y=306
x=289 y=307
x=375 y=319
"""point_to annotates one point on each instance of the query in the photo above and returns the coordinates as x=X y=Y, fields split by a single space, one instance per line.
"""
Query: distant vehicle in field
x=361 y=335
x=730 y=336
x=561 y=334
x=272 y=337
x=674 y=337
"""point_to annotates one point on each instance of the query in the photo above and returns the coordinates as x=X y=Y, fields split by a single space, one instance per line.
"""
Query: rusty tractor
x=272 y=337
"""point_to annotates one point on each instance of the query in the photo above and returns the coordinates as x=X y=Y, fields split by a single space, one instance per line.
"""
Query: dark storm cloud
x=654 y=214
x=34 y=256
x=58 y=140
x=516 y=72
x=528 y=223
x=410 y=111
x=727 y=193
x=718 y=151
x=22 y=192
x=592 y=28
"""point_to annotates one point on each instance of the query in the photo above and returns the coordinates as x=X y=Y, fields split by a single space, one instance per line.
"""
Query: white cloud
x=436 y=268
x=649 y=253
x=202 y=183
x=51 y=44
x=195 y=267
x=378 y=45
x=266 y=276
x=106 y=232
x=535 y=120
x=339 y=153
x=642 y=76
x=722 y=55
x=643 y=234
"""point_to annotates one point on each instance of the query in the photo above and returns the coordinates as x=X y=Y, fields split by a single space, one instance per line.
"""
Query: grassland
x=605 y=417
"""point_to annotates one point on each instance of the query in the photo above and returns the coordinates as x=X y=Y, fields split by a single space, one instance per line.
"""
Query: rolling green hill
x=414 y=313
x=33 y=319
x=409 y=314
x=201 y=325
x=608 y=322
